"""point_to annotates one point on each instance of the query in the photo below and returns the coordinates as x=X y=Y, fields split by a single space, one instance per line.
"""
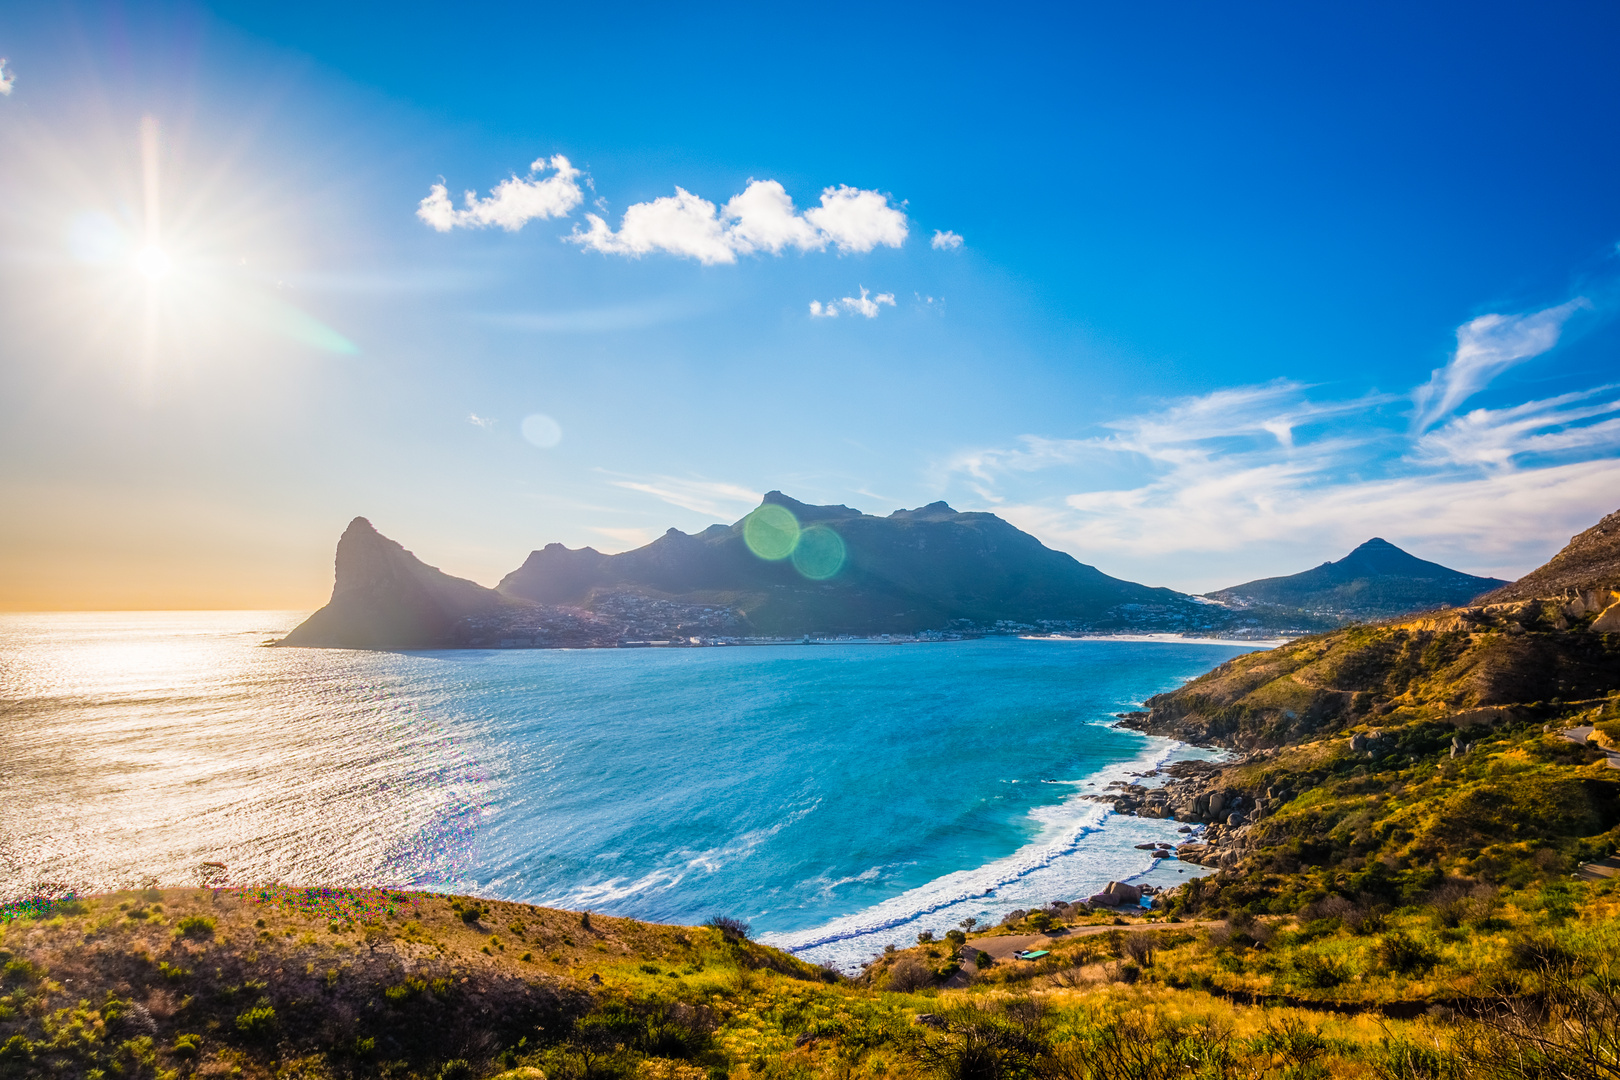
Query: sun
x=153 y=263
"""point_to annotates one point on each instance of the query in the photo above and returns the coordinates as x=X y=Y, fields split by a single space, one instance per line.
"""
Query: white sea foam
x=1082 y=846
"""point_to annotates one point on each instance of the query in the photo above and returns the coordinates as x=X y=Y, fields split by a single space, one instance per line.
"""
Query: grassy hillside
x=350 y=983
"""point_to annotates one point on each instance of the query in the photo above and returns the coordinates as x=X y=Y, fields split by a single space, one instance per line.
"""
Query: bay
x=837 y=797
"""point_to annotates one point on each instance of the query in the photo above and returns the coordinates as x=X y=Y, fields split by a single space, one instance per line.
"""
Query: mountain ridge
x=1375 y=580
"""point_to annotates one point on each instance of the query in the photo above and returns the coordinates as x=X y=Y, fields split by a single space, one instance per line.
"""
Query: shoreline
x=1083 y=845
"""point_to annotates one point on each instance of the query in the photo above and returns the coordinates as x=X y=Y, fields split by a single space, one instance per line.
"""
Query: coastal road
x=1583 y=735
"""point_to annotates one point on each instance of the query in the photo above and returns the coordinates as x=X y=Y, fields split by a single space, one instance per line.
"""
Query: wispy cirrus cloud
x=760 y=220
x=1499 y=438
x=715 y=498
x=1251 y=481
x=513 y=203
x=1486 y=347
x=7 y=78
x=865 y=304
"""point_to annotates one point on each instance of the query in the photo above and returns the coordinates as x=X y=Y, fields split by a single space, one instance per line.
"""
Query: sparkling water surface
x=838 y=797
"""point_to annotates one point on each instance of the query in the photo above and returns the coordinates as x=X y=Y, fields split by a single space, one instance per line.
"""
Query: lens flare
x=771 y=532
x=819 y=554
x=542 y=430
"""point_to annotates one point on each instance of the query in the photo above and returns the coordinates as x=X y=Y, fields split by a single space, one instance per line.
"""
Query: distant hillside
x=913 y=570
x=1377 y=580
x=818 y=570
x=1589 y=563
x=1540 y=640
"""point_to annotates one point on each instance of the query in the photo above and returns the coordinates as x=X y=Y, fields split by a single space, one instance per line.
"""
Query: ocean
x=838 y=797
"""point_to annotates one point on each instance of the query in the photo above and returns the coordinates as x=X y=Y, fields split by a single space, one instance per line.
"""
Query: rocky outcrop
x=383 y=597
x=1589 y=562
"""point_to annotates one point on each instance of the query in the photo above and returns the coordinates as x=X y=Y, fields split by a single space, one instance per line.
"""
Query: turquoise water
x=837 y=797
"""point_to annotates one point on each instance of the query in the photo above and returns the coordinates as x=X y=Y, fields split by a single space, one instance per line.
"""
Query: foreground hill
x=838 y=572
x=1377 y=580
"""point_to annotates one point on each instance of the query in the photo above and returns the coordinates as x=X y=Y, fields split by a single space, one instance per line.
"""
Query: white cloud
x=857 y=220
x=513 y=203
x=945 y=240
x=681 y=224
x=484 y=422
x=864 y=304
x=7 y=78
x=715 y=498
x=762 y=219
x=1253 y=481
x=1486 y=347
x=1496 y=437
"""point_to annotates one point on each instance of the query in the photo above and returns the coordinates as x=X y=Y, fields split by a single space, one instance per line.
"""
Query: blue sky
x=1217 y=294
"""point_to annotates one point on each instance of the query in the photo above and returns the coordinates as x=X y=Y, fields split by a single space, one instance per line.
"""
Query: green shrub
x=16 y=1050
x=1406 y=955
x=186 y=1046
x=456 y=1069
x=195 y=926
x=257 y=1022
x=1319 y=972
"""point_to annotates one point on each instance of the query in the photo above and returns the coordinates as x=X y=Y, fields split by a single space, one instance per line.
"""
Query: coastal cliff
x=383 y=597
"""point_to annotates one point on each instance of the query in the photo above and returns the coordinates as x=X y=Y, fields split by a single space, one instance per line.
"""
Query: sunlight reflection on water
x=138 y=747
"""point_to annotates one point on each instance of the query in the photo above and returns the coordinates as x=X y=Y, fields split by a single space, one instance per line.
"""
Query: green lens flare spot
x=820 y=553
x=771 y=532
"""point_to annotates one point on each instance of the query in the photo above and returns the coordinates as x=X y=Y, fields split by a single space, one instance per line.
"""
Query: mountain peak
x=1375 y=580
x=384 y=597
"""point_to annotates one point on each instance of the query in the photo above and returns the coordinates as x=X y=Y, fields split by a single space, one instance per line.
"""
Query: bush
x=1406 y=955
x=470 y=915
x=257 y=1022
x=1319 y=972
x=186 y=1046
x=456 y=1069
x=908 y=976
x=730 y=929
x=195 y=926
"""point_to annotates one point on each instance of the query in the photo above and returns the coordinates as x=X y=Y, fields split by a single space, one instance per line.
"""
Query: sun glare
x=153 y=263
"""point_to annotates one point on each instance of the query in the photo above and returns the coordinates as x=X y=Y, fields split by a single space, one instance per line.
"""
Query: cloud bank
x=761 y=220
x=864 y=304
x=512 y=204
x=1251 y=481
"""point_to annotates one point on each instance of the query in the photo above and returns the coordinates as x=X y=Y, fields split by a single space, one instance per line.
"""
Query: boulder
x=1116 y=893
x=1609 y=621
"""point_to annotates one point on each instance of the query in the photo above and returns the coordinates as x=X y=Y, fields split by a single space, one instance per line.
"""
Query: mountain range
x=791 y=569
